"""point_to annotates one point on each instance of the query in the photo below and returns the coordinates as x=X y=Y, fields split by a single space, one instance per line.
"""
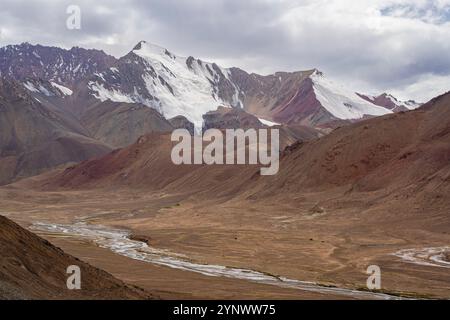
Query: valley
x=85 y=163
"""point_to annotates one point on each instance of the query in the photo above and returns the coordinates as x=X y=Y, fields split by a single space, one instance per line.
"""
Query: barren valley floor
x=331 y=245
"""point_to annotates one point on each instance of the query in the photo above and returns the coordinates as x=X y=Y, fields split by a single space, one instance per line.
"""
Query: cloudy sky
x=398 y=46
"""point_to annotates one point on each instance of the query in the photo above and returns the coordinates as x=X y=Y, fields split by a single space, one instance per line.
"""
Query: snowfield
x=181 y=86
x=192 y=93
x=64 y=90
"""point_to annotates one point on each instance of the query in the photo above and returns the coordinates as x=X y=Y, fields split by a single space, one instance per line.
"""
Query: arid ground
x=323 y=244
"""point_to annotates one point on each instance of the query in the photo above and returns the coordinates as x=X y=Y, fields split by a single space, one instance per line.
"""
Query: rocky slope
x=120 y=124
x=235 y=118
x=32 y=268
x=230 y=118
x=36 y=136
x=180 y=122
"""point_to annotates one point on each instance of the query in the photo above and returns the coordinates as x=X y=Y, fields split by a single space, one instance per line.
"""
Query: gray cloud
x=400 y=46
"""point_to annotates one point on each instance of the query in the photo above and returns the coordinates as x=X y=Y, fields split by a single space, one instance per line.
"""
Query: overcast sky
x=398 y=46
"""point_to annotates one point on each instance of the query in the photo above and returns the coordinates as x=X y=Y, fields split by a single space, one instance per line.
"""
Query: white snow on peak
x=149 y=49
x=268 y=123
x=64 y=90
x=179 y=85
x=189 y=91
x=342 y=102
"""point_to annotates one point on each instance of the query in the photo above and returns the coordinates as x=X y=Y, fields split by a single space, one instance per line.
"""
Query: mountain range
x=64 y=106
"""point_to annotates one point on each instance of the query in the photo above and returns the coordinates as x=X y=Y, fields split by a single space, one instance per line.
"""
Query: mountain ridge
x=88 y=101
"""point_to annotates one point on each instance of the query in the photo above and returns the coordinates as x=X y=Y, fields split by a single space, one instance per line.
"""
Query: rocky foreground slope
x=32 y=268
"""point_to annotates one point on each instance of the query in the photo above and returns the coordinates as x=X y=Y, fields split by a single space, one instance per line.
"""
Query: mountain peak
x=317 y=72
x=138 y=46
x=145 y=48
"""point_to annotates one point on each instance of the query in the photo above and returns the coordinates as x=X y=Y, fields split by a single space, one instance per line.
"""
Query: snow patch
x=104 y=94
x=64 y=90
x=30 y=87
x=268 y=123
x=40 y=89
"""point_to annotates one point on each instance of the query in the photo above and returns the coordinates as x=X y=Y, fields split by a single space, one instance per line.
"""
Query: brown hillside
x=32 y=268
x=406 y=152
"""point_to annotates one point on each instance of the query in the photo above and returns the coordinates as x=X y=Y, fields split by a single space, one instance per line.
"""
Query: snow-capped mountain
x=59 y=106
x=184 y=86
x=190 y=87
x=306 y=97
x=173 y=85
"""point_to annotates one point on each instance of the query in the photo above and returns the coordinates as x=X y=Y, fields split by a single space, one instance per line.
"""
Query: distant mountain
x=230 y=118
x=190 y=87
x=390 y=102
x=63 y=67
x=305 y=97
x=61 y=106
x=185 y=86
x=236 y=118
